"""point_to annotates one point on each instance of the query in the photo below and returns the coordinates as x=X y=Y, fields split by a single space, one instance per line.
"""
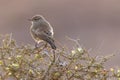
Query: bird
x=41 y=30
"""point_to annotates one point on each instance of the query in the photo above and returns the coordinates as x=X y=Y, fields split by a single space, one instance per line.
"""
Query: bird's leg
x=36 y=48
x=36 y=45
x=45 y=45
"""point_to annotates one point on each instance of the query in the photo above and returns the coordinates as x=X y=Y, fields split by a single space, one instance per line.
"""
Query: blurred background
x=95 y=22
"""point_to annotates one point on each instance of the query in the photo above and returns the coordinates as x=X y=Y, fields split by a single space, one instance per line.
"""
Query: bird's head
x=36 y=18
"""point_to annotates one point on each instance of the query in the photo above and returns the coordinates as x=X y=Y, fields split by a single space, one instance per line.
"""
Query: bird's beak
x=29 y=19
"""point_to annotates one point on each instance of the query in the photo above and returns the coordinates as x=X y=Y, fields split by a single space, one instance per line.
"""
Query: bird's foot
x=36 y=45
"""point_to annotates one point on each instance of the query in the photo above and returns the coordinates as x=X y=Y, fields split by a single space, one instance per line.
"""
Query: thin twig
x=50 y=66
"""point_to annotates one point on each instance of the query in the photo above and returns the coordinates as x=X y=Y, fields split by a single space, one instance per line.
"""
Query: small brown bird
x=41 y=30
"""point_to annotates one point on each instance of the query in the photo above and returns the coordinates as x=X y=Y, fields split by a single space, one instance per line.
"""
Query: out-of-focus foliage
x=25 y=62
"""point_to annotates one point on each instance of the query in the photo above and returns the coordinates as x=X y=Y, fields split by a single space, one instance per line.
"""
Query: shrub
x=25 y=62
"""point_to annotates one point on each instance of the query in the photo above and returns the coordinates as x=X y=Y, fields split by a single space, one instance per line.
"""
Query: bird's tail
x=52 y=43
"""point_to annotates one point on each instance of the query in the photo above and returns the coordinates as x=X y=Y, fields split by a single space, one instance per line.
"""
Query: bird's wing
x=46 y=28
x=44 y=36
x=43 y=31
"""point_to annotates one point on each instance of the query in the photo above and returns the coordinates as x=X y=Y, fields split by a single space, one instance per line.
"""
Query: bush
x=28 y=63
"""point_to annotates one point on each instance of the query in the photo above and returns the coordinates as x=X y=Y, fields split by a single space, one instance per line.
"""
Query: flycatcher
x=41 y=30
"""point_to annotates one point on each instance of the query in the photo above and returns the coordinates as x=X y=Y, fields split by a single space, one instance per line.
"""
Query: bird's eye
x=36 y=19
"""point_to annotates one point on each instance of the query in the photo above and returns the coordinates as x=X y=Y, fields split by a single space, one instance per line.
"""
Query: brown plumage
x=41 y=30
